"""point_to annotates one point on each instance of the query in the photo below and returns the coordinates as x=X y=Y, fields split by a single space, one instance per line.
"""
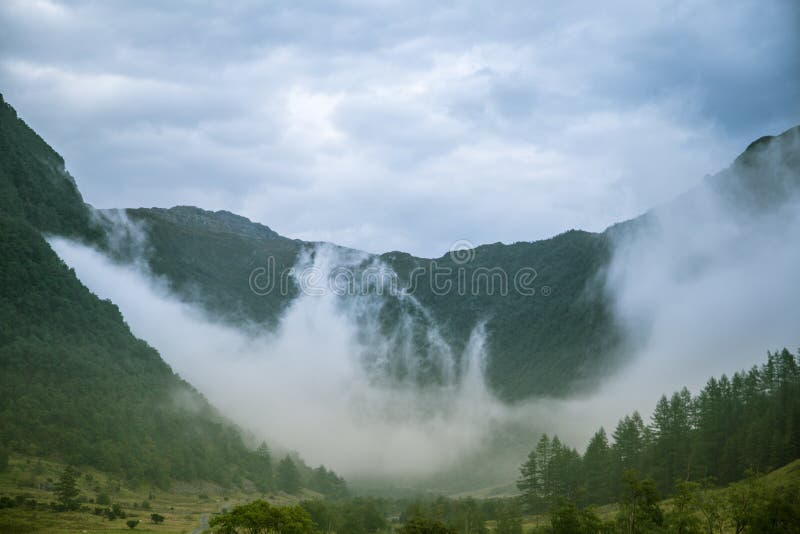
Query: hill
x=75 y=384
x=558 y=338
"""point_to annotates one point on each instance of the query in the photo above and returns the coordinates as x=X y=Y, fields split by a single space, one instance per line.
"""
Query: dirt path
x=203 y=525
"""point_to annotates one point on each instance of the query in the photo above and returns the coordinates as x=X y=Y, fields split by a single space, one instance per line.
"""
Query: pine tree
x=264 y=467
x=288 y=476
x=66 y=489
x=597 y=469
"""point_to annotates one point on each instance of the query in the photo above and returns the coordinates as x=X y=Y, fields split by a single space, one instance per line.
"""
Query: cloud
x=400 y=125
x=700 y=288
x=303 y=387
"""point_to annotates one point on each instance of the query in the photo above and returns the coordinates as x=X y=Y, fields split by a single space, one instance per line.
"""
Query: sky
x=410 y=125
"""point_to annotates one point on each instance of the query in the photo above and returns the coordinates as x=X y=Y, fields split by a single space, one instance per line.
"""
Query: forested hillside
x=747 y=422
x=552 y=342
x=560 y=337
x=75 y=384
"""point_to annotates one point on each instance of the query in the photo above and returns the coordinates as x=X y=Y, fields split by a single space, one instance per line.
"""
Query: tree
x=743 y=499
x=630 y=438
x=567 y=518
x=132 y=523
x=264 y=468
x=639 y=511
x=421 y=525
x=288 y=476
x=321 y=514
x=509 y=520
x=597 y=469
x=528 y=482
x=156 y=519
x=682 y=518
x=260 y=517
x=66 y=489
x=779 y=512
x=711 y=506
x=327 y=482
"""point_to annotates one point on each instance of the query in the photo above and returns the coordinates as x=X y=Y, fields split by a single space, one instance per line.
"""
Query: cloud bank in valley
x=302 y=387
x=704 y=289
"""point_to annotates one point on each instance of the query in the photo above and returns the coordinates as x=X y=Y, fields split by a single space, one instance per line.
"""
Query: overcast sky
x=401 y=125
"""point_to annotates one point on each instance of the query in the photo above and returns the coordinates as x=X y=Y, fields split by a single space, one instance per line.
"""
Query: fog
x=303 y=387
x=701 y=287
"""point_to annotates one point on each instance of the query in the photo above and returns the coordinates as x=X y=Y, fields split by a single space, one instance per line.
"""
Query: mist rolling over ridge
x=400 y=267
x=697 y=285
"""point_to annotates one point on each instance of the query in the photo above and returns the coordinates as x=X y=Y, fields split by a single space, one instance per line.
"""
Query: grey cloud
x=401 y=123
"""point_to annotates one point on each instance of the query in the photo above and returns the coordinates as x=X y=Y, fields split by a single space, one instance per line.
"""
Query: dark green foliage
x=552 y=471
x=75 y=384
x=683 y=519
x=535 y=341
x=216 y=252
x=263 y=473
x=421 y=525
x=542 y=344
x=462 y=515
x=327 y=482
x=132 y=523
x=34 y=184
x=639 y=510
x=597 y=464
x=567 y=518
x=66 y=489
x=748 y=422
x=287 y=476
x=3 y=458
x=358 y=515
x=261 y=517
x=779 y=512
x=509 y=519
x=115 y=512
x=156 y=519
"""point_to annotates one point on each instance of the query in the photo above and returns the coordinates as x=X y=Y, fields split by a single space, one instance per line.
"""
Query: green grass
x=182 y=506
x=788 y=475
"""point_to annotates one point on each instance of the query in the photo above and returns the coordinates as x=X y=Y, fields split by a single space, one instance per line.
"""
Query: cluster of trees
x=291 y=474
x=750 y=421
x=260 y=517
x=354 y=515
x=467 y=516
x=746 y=507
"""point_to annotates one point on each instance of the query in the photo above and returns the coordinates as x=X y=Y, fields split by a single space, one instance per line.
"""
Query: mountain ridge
x=546 y=345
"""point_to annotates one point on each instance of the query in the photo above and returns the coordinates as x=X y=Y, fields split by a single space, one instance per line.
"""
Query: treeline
x=748 y=422
x=291 y=474
x=353 y=516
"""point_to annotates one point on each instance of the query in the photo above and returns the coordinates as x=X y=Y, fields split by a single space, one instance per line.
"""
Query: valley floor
x=187 y=508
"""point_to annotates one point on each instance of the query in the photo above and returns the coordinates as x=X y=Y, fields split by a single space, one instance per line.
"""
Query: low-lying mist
x=702 y=288
x=302 y=387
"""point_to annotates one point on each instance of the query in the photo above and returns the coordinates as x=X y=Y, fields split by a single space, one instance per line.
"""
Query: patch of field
x=183 y=506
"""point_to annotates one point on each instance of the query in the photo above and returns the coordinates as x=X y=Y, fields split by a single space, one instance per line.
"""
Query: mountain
x=560 y=339
x=75 y=384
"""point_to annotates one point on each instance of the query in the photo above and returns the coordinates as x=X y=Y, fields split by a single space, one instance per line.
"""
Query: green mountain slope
x=75 y=384
x=561 y=339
